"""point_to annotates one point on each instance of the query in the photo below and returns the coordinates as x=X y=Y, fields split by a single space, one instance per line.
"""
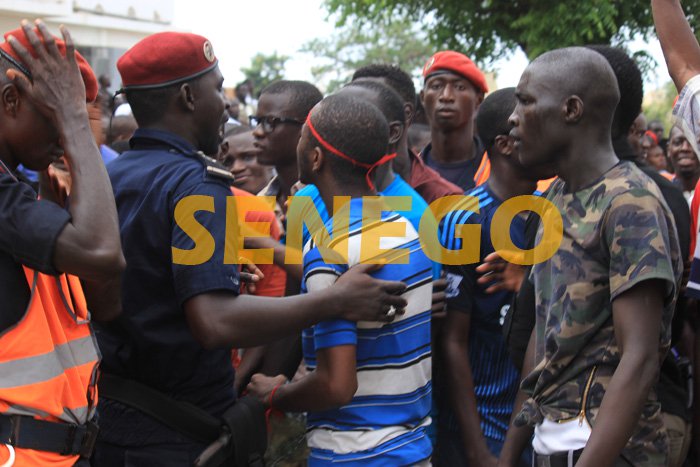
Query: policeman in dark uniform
x=181 y=309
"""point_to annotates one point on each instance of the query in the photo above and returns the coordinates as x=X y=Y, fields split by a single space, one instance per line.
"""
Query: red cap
x=166 y=58
x=455 y=62
x=9 y=53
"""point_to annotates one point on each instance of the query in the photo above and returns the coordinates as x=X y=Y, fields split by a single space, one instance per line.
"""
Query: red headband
x=340 y=154
x=653 y=136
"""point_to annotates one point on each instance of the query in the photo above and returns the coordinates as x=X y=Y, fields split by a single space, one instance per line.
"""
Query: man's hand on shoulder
x=360 y=297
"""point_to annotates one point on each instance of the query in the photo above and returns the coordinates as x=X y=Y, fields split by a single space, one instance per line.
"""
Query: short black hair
x=233 y=130
x=389 y=101
x=492 y=119
x=396 y=78
x=354 y=127
x=629 y=81
x=148 y=105
x=303 y=96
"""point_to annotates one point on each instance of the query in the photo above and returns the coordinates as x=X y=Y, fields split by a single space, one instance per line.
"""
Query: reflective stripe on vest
x=484 y=171
x=49 y=359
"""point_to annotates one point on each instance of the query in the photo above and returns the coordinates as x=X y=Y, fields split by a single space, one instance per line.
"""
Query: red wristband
x=272 y=394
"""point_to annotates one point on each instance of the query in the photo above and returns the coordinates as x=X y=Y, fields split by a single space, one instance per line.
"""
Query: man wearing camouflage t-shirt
x=604 y=300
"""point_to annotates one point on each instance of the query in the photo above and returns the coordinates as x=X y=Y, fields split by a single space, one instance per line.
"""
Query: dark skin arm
x=332 y=384
x=223 y=320
x=89 y=245
x=518 y=438
x=461 y=388
x=679 y=45
x=637 y=322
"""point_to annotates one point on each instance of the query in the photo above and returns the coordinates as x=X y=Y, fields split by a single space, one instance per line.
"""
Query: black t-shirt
x=28 y=232
x=460 y=173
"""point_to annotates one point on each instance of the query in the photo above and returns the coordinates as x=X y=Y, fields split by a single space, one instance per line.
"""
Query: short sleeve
x=212 y=275
x=319 y=275
x=686 y=112
x=29 y=227
x=461 y=283
x=641 y=243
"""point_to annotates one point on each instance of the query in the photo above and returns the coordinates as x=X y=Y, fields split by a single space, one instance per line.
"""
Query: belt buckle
x=89 y=440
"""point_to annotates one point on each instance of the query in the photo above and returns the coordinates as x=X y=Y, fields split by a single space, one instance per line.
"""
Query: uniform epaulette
x=215 y=169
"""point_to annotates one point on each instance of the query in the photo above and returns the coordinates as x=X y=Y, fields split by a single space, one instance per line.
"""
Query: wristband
x=272 y=394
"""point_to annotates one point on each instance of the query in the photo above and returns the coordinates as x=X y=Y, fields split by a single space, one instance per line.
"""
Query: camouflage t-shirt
x=618 y=232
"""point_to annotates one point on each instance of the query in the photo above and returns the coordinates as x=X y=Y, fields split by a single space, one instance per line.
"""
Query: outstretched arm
x=680 y=47
x=332 y=384
x=221 y=319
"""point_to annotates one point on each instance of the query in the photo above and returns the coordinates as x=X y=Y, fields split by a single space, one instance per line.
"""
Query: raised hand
x=56 y=86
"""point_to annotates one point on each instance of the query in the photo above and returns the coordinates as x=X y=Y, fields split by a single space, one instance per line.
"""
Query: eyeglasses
x=269 y=123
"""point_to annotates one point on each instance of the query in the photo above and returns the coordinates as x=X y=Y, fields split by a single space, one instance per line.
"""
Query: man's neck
x=287 y=176
x=330 y=189
x=402 y=163
x=586 y=163
x=506 y=183
x=383 y=176
x=453 y=146
x=688 y=182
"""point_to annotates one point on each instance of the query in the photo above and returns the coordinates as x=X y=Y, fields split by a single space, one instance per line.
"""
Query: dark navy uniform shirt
x=152 y=342
x=28 y=232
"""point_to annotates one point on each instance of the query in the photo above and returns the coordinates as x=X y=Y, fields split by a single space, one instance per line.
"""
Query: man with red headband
x=453 y=89
x=368 y=396
x=48 y=356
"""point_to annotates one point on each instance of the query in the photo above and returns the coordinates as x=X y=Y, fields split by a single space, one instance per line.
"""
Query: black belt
x=564 y=459
x=66 y=439
x=180 y=416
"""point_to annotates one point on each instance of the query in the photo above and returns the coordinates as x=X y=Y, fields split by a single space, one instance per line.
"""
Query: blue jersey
x=398 y=187
x=495 y=377
x=385 y=422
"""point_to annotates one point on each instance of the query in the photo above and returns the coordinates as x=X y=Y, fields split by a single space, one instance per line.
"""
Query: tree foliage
x=659 y=103
x=398 y=41
x=265 y=69
x=490 y=29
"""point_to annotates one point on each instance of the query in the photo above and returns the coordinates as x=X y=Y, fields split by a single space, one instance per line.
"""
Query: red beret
x=451 y=61
x=165 y=58
x=9 y=53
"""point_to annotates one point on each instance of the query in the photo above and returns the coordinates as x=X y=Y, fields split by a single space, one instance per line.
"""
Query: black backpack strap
x=183 y=417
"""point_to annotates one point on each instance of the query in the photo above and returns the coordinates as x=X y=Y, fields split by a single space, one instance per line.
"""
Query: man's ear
x=504 y=144
x=186 y=96
x=479 y=98
x=317 y=159
x=396 y=130
x=421 y=96
x=11 y=99
x=409 y=111
x=573 y=109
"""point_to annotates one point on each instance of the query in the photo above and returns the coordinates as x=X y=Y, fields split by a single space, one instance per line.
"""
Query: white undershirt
x=552 y=437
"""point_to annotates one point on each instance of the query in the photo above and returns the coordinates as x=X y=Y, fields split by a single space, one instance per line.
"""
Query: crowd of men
x=300 y=279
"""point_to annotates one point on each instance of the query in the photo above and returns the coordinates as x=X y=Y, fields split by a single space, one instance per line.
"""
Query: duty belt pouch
x=246 y=420
x=244 y=438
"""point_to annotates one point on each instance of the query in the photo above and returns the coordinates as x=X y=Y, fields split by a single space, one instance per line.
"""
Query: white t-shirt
x=552 y=437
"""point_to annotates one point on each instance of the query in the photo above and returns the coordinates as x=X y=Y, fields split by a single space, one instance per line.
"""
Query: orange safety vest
x=484 y=171
x=48 y=362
